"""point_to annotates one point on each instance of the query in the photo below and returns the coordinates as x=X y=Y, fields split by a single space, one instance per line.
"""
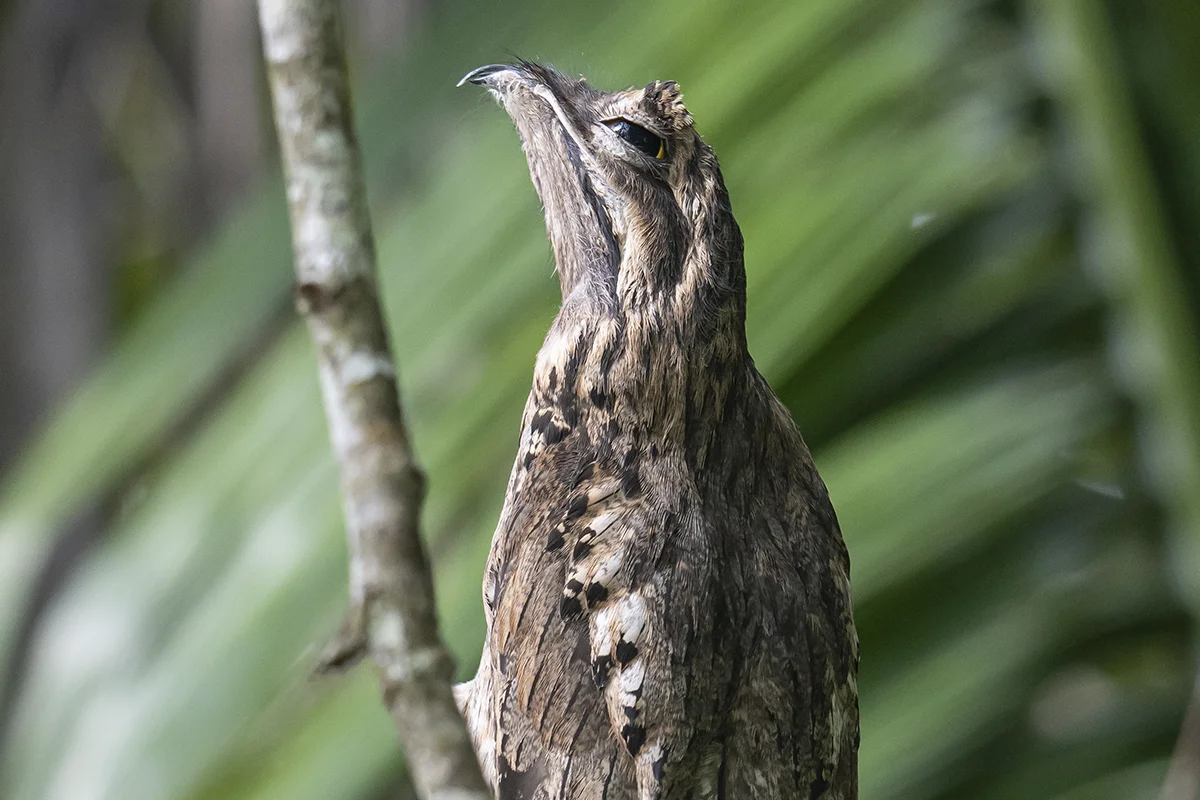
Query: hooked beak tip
x=480 y=75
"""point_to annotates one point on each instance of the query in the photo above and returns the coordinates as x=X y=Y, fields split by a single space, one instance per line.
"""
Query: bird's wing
x=600 y=533
x=585 y=636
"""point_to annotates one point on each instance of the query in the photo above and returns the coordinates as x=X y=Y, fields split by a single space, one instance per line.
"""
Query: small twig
x=392 y=616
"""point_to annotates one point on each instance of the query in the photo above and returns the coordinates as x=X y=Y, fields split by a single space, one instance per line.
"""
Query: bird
x=667 y=594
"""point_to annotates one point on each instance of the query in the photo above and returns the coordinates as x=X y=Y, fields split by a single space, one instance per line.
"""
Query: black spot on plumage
x=609 y=356
x=626 y=652
x=598 y=397
x=586 y=474
x=653 y=450
x=540 y=421
x=659 y=766
x=630 y=712
x=819 y=787
x=529 y=459
x=556 y=540
x=581 y=550
x=601 y=668
x=569 y=410
x=552 y=379
x=634 y=737
x=570 y=608
x=555 y=434
x=543 y=425
x=574 y=361
x=578 y=505
x=596 y=593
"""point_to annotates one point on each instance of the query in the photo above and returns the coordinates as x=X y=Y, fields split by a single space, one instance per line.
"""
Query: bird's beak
x=480 y=76
x=578 y=225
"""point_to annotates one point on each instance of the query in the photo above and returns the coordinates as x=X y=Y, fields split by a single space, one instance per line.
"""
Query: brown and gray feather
x=667 y=595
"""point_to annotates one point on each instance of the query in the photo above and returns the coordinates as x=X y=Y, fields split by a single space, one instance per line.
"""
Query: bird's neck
x=662 y=348
x=667 y=367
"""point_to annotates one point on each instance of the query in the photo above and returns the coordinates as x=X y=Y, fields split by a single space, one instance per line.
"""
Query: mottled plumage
x=667 y=595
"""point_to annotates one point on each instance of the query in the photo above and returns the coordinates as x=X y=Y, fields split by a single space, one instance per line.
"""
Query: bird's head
x=635 y=206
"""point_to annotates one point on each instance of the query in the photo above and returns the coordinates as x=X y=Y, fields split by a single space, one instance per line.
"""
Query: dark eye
x=649 y=143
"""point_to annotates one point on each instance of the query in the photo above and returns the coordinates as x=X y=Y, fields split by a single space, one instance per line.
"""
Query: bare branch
x=392 y=616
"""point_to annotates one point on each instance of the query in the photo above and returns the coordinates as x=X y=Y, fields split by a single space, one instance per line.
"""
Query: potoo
x=667 y=594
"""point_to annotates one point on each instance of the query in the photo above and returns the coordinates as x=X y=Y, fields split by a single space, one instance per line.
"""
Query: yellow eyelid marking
x=662 y=148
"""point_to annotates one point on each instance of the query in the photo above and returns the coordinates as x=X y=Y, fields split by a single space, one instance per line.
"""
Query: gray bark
x=392 y=616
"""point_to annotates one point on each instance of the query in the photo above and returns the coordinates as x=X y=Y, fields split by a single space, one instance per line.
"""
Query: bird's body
x=668 y=601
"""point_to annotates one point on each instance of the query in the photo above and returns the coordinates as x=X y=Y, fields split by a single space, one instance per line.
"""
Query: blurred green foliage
x=968 y=277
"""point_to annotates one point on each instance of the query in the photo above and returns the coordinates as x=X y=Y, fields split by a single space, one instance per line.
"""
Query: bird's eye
x=649 y=143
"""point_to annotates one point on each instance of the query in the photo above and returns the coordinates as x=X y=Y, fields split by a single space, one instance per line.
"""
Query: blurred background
x=973 y=256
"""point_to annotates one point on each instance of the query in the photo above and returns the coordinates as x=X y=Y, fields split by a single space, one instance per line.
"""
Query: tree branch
x=392 y=616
